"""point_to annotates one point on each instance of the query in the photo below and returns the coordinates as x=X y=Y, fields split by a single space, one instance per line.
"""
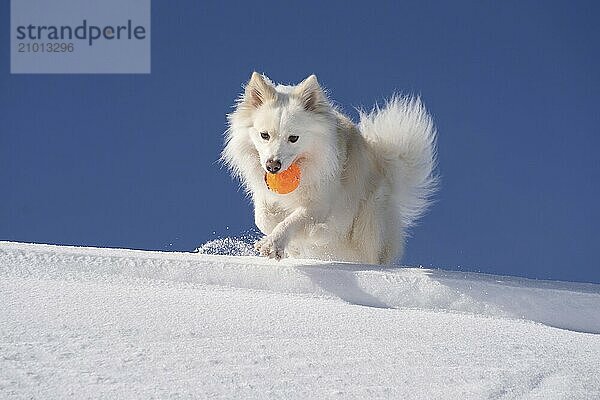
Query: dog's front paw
x=270 y=247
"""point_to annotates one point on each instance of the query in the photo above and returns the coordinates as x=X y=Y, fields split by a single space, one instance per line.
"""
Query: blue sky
x=131 y=160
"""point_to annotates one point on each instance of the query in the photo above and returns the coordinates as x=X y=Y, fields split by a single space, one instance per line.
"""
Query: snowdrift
x=106 y=323
x=573 y=306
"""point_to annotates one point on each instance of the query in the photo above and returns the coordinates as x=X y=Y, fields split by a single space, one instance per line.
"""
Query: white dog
x=361 y=186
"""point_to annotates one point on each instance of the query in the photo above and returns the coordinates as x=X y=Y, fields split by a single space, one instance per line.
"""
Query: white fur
x=361 y=186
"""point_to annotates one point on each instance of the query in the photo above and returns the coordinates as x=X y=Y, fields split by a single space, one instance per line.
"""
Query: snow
x=112 y=323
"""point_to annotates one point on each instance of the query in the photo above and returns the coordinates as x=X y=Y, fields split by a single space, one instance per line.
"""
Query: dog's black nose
x=273 y=165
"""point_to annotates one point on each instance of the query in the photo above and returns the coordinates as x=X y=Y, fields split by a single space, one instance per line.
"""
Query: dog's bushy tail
x=402 y=135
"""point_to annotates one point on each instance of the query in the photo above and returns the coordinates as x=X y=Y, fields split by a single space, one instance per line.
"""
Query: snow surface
x=111 y=323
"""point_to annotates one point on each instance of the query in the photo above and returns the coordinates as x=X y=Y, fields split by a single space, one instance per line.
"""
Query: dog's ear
x=311 y=95
x=258 y=91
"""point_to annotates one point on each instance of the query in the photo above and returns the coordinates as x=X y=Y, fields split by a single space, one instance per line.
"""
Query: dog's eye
x=265 y=135
x=293 y=138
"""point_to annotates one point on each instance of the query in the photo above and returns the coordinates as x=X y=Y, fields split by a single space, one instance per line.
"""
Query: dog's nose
x=273 y=165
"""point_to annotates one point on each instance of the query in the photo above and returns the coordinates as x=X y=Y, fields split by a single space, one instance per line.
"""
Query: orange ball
x=284 y=182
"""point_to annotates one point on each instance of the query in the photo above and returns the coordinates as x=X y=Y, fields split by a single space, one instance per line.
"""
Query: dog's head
x=275 y=126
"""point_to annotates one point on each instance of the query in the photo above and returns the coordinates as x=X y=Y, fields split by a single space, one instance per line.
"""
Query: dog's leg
x=273 y=245
x=262 y=220
x=266 y=218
